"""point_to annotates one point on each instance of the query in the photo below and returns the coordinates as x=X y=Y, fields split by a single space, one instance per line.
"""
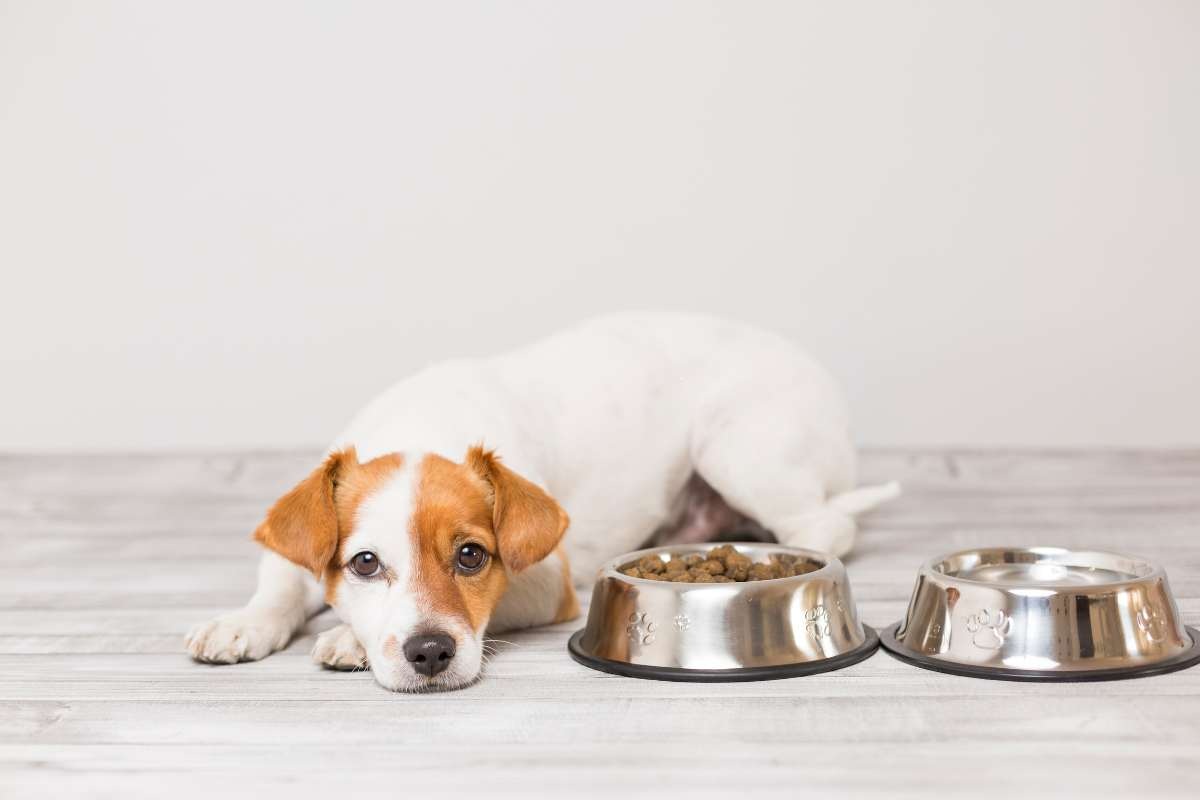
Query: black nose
x=429 y=653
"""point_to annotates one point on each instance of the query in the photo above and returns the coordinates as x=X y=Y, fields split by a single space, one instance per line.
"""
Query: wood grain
x=108 y=559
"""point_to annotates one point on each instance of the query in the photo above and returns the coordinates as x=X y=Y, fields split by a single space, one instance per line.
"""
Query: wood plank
x=110 y=558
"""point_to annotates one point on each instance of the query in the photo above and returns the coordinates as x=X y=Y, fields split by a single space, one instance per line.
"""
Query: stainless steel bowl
x=1043 y=613
x=756 y=630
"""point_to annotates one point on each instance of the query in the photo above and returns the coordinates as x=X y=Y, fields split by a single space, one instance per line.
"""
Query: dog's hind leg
x=287 y=595
x=700 y=514
x=775 y=463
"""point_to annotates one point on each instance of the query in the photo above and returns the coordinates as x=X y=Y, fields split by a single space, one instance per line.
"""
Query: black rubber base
x=1190 y=657
x=865 y=650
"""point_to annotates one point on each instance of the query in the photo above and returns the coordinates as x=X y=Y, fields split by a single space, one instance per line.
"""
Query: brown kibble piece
x=724 y=552
x=801 y=568
x=650 y=564
x=737 y=566
x=761 y=572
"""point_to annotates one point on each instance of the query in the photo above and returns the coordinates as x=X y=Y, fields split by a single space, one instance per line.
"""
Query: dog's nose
x=428 y=653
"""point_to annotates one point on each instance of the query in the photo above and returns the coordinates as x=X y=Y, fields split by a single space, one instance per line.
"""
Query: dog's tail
x=864 y=498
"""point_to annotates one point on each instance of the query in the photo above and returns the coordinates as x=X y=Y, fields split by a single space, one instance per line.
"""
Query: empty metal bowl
x=754 y=630
x=1043 y=614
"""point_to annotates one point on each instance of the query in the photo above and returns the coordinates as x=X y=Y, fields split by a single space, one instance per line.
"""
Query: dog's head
x=415 y=552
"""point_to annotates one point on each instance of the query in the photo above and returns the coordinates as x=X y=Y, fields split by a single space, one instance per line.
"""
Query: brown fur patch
x=528 y=522
x=302 y=526
x=308 y=524
x=451 y=509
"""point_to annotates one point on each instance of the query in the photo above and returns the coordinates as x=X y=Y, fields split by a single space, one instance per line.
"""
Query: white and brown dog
x=637 y=424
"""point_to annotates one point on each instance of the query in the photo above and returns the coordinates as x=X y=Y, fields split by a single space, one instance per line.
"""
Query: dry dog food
x=722 y=564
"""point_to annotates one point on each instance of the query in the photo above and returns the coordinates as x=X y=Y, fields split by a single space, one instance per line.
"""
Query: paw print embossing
x=989 y=630
x=682 y=623
x=1151 y=624
x=641 y=628
x=817 y=622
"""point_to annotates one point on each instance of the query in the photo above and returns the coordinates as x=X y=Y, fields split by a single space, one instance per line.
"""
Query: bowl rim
x=829 y=564
x=1153 y=571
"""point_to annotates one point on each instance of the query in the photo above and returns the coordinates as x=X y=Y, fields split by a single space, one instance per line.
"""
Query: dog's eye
x=471 y=558
x=365 y=564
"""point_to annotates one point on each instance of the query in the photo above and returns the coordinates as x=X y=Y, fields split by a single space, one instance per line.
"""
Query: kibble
x=723 y=564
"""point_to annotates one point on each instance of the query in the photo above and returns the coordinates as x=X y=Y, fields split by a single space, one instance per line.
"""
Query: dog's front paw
x=243 y=635
x=338 y=648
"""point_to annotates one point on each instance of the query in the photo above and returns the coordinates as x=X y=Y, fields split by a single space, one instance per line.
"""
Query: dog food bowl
x=747 y=631
x=1043 y=614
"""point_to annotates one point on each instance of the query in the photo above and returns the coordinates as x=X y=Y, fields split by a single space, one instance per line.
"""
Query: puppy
x=423 y=539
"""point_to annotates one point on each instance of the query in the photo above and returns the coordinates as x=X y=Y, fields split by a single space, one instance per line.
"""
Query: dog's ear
x=527 y=521
x=302 y=526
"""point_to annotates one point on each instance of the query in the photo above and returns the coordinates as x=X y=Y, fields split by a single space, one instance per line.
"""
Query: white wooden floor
x=105 y=561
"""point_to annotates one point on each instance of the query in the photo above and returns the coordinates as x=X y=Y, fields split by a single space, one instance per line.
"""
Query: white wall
x=229 y=224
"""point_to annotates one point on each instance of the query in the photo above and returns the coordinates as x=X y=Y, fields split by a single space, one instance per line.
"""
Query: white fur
x=611 y=417
x=532 y=598
x=286 y=597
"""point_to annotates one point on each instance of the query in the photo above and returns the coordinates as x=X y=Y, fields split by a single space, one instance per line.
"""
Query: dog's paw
x=338 y=648
x=243 y=635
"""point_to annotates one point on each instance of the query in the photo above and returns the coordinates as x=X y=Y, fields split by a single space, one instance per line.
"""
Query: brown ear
x=302 y=526
x=527 y=521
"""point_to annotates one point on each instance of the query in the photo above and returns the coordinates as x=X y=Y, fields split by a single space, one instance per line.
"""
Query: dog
x=441 y=512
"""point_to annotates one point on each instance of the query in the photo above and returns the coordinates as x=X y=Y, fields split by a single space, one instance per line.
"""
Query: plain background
x=229 y=224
